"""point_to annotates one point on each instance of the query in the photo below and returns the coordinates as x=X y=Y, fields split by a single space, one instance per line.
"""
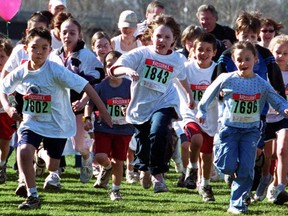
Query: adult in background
x=208 y=17
x=57 y=6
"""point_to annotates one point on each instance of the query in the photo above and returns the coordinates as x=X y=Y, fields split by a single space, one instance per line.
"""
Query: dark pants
x=151 y=138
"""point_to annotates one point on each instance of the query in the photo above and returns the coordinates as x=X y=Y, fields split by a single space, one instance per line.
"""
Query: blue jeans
x=236 y=155
x=151 y=138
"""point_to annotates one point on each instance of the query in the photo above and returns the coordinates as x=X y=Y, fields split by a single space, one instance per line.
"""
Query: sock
x=87 y=161
x=2 y=163
x=57 y=172
x=115 y=187
x=184 y=170
x=32 y=192
x=108 y=167
x=205 y=182
x=194 y=165
x=281 y=187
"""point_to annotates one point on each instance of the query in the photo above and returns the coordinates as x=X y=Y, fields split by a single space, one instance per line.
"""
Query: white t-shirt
x=47 y=109
x=117 y=41
x=199 y=79
x=55 y=43
x=154 y=90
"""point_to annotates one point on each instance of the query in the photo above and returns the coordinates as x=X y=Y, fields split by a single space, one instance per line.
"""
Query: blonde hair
x=279 y=39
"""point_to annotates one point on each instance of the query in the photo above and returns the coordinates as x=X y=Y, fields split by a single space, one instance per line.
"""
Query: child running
x=199 y=73
x=47 y=111
x=244 y=95
x=154 y=100
x=111 y=144
x=5 y=121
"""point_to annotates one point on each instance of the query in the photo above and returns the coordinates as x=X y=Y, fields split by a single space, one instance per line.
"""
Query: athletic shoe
x=281 y=198
x=39 y=165
x=31 y=202
x=86 y=171
x=262 y=188
x=235 y=211
x=159 y=183
x=103 y=178
x=96 y=170
x=132 y=177
x=271 y=193
x=21 y=189
x=249 y=199
x=181 y=181
x=206 y=193
x=52 y=181
x=115 y=195
x=145 y=179
x=3 y=175
x=191 y=178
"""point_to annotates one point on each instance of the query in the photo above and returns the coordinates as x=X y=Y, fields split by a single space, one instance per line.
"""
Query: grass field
x=76 y=198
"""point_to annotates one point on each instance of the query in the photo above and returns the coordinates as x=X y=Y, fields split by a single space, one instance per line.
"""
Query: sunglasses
x=270 y=31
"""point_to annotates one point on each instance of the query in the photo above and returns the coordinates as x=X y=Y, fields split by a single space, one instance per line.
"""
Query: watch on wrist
x=85 y=118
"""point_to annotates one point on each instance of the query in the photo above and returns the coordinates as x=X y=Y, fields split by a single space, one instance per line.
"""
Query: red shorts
x=114 y=145
x=192 y=129
x=5 y=126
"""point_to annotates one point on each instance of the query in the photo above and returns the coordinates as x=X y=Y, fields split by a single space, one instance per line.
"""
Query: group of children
x=144 y=91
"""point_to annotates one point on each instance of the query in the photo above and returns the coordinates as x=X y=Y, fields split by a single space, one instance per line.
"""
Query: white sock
x=193 y=165
x=115 y=187
x=205 y=182
x=108 y=167
x=32 y=192
x=2 y=163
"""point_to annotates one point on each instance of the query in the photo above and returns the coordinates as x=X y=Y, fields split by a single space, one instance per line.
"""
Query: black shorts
x=54 y=146
x=272 y=128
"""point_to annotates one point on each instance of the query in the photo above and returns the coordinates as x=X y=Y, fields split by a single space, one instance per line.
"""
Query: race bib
x=114 y=107
x=37 y=106
x=245 y=108
x=156 y=75
x=198 y=91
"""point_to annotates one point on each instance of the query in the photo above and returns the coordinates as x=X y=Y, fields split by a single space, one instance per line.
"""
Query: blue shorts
x=273 y=128
x=54 y=146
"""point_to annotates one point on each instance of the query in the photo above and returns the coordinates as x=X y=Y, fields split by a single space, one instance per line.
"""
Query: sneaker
x=181 y=181
x=3 y=175
x=132 y=177
x=21 y=189
x=52 y=182
x=103 y=178
x=206 y=193
x=115 y=195
x=39 y=165
x=86 y=171
x=96 y=170
x=249 y=199
x=191 y=178
x=159 y=183
x=271 y=193
x=281 y=198
x=145 y=179
x=262 y=188
x=30 y=203
x=233 y=210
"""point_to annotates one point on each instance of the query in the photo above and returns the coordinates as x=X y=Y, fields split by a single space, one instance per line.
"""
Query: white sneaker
x=271 y=193
x=52 y=181
x=132 y=177
x=86 y=171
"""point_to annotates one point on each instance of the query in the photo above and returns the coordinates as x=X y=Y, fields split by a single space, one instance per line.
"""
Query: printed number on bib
x=37 y=106
x=156 y=75
x=114 y=107
x=245 y=108
x=198 y=91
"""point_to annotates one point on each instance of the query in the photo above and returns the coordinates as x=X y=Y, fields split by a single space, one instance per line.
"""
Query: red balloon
x=9 y=8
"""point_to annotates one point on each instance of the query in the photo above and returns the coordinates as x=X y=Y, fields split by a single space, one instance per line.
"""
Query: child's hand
x=88 y=125
x=105 y=116
x=78 y=106
x=191 y=102
x=123 y=109
x=286 y=111
x=201 y=120
x=12 y=112
x=132 y=74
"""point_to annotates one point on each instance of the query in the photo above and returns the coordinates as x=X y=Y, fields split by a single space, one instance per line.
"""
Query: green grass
x=80 y=199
